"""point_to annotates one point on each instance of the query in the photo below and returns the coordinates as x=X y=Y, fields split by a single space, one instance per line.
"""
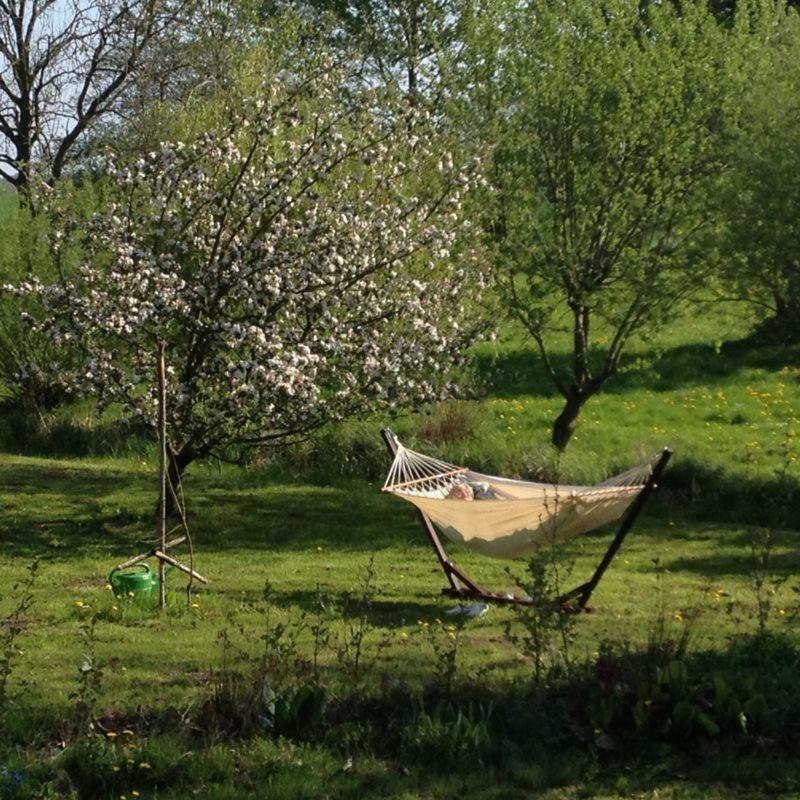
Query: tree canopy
x=307 y=260
x=610 y=121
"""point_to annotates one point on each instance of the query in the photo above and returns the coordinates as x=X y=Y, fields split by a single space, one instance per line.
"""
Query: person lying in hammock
x=473 y=490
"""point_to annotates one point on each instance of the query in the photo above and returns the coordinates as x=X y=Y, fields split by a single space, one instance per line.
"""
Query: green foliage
x=548 y=623
x=86 y=694
x=448 y=734
x=761 y=198
x=300 y=712
x=118 y=763
x=664 y=695
x=10 y=630
x=611 y=122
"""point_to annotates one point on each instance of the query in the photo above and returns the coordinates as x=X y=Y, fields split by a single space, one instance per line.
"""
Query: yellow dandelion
x=677 y=616
x=114 y=608
x=403 y=635
x=144 y=765
x=108 y=587
x=115 y=768
x=195 y=605
x=79 y=603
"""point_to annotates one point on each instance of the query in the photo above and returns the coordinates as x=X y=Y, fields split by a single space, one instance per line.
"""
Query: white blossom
x=294 y=280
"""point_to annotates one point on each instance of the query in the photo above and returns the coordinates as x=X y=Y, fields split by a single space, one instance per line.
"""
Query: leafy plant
x=449 y=733
x=444 y=640
x=299 y=712
x=355 y=607
x=89 y=678
x=765 y=584
x=11 y=628
x=547 y=620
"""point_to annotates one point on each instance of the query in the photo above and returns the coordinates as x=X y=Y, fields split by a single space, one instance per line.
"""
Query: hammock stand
x=462 y=587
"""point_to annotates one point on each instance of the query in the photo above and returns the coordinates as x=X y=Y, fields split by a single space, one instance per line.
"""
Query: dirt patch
x=14 y=624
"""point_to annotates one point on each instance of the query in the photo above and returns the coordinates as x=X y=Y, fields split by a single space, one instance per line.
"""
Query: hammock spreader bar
x=461 y=586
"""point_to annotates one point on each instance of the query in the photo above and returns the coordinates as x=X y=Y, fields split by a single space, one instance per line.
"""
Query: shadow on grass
x=522 y=371
x=294 y=517
x=628 y=722
x=718 y=565
x=381 y=611
x=59 y=511
x=63 y=511
x=715 y=495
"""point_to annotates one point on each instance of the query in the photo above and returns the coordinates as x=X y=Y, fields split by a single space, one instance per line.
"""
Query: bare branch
x=62 y=67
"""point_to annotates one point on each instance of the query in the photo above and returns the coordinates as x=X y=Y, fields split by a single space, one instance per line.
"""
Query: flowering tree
x=305 y=263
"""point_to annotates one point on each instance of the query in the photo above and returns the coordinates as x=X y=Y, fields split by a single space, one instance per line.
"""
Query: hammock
x=511 y=518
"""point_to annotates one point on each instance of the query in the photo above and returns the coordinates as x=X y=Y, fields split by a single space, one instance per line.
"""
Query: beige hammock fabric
x=517 y=517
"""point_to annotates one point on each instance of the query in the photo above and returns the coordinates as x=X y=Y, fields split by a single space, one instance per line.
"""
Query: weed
x=444 y=640
x=450 y=421
x=320 y=633
x=89 y=678
x=357 y=627
x=10 y=630
x=280 y=657
x=548 y=622
x=241 y=700
x=449 y=733
x=765 y=586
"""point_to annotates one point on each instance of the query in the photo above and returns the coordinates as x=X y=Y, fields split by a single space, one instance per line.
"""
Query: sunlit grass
x=309 y=521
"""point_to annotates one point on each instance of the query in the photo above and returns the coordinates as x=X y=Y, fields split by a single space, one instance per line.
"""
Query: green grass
x=305 y=521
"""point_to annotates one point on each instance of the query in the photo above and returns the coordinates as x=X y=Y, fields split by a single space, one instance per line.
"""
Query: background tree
x=304 y=261
x=610 y=121
x=199 y=55
x=62 y=65
x=762 y=198
x=411 y=44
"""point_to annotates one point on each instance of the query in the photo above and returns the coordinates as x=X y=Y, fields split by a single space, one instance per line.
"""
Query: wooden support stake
x=150 y=553
x=162 y=465
x=164 y=558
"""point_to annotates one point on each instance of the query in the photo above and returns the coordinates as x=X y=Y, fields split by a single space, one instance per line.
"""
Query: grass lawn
x=728 y=410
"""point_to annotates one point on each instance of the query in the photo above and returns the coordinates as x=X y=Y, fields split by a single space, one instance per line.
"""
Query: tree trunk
x=564 y=426
x=785 y=325
x=176 y=466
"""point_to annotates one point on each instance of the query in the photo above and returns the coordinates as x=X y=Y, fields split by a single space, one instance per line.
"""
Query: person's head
x=461 y=491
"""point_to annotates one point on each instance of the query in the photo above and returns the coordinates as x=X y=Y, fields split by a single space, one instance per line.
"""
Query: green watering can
x=141 y=583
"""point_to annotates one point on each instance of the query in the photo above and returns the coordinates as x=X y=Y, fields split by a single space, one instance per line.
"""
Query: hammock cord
x=415 y=473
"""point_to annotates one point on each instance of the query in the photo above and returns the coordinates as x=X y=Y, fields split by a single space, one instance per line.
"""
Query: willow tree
x=610 y=120
x=305 y=261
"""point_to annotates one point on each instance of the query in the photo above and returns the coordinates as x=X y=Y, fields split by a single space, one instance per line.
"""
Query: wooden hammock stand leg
x=464 y=588
x=584 y=591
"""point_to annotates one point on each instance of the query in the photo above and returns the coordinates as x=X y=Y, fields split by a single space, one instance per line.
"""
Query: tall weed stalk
x=10 y=630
